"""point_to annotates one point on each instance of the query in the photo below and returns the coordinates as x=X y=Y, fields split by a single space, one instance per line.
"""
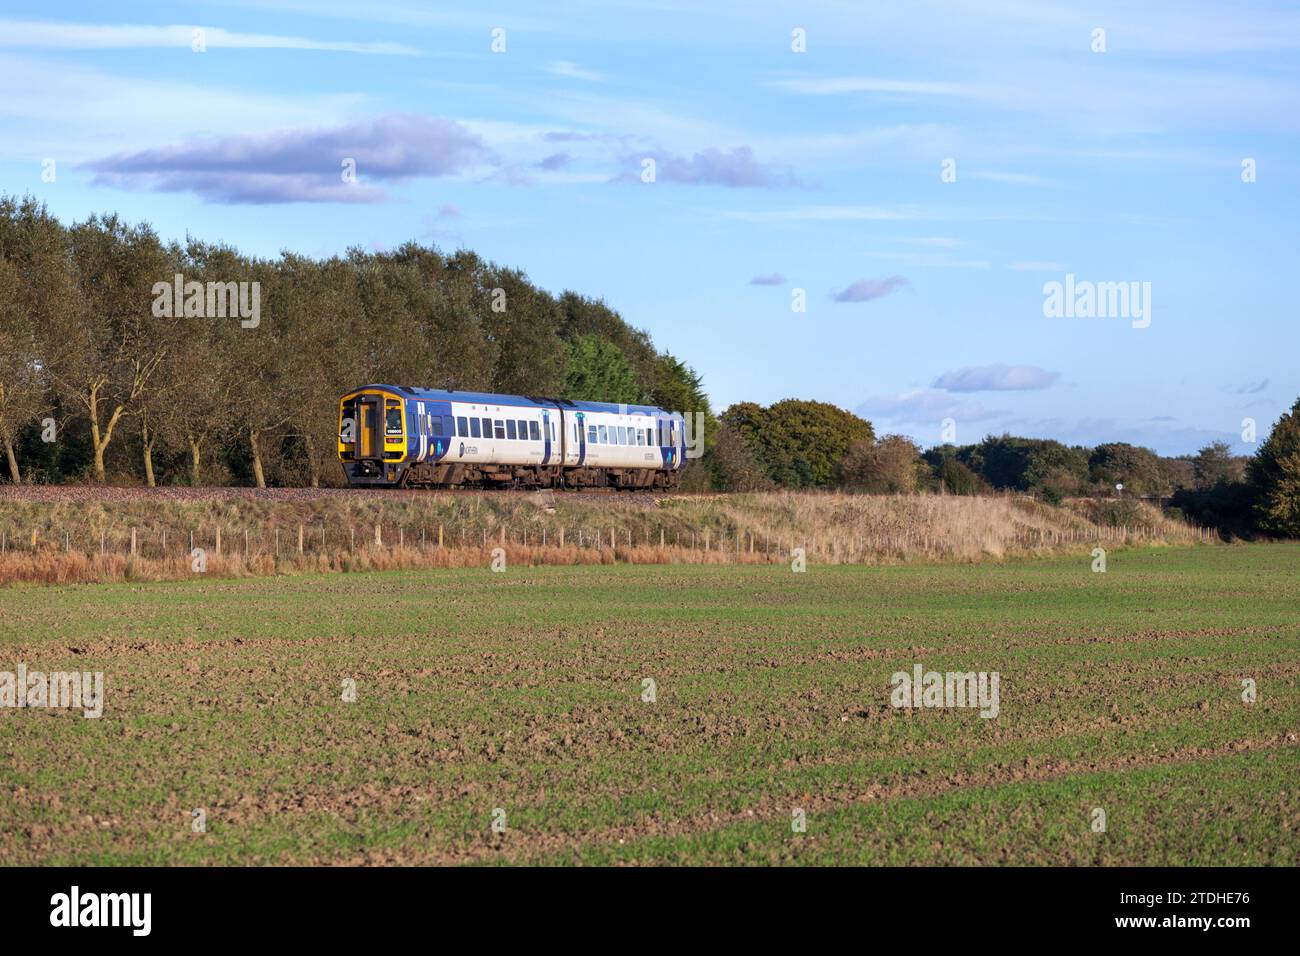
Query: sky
x=859 y=203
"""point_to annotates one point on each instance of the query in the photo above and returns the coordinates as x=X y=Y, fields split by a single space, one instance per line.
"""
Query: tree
x=103 y=351
x=524 y=323
x=598 y=371
x=22 y=391
x=891 y=465
x=1214 y=465
x=735 y=467
x=197 y=383
x=957 y=479
x=801 y=444
x=1136 y=468
x=1275 y=473
x=36 y=286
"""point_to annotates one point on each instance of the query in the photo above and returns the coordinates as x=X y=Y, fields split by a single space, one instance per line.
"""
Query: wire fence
x=331 y=539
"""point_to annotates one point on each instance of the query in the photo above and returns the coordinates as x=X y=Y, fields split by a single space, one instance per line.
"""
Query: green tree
x=598 y=371
x=1215 y=464
x=1138 y=469
x=801 y=443
x=1275 y=473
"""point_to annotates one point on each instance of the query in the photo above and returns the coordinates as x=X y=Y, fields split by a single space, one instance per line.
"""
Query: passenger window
x=474 y=428
x=487 y=428
x=523 y=430
x=640 y=437
x=462 y=426
x=534 y=432
x=501 y=429
x=603 y=431
x=591 y=434
x=510 y=429
x=393 y=419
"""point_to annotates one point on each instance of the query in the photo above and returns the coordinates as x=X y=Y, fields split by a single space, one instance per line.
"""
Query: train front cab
x=372 y=436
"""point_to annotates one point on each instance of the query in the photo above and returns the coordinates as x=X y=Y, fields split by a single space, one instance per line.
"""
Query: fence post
x=132 y=541
x=379 y=536
x=440 y=536
x=218 y=540
x=300 y=539
x=561 y=536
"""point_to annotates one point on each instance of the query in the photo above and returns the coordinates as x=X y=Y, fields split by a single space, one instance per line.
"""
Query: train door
x=370 y=441
x=582 y=437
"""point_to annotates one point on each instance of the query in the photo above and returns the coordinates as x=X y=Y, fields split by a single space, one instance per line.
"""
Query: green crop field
x=520 y=699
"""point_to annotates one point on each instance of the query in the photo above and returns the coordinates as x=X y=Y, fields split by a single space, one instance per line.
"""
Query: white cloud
x=52 y=35
x=996 y=378
x=1026 y=265
x=841 y=85
x=573 y=71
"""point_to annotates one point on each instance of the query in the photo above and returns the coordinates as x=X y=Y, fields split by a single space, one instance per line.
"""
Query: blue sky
x=776 y=170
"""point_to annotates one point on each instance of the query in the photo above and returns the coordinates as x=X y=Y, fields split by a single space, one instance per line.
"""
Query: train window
x=510 y=429
x=462 y=426
x=487 y=428
x=474 y=428
x=620 y=435
x=591 y=434
x=501 y=429
x=603 y=431
x=640 y=437
x=393 y=419
x=534 y=432
x=436 y=422
x=523 y=430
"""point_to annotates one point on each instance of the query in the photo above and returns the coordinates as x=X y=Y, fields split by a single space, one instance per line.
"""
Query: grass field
x=522 y=692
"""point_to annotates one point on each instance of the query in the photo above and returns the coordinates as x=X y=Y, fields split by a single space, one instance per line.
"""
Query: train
x=396 y=436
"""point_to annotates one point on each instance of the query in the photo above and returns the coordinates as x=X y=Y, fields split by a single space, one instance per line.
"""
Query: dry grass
x=87 y=540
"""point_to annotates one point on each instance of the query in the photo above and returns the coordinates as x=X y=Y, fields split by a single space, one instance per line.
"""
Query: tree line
x=802 y=444
x=97 y=382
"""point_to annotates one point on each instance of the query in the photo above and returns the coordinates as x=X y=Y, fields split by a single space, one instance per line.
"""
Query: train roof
x=489 y=398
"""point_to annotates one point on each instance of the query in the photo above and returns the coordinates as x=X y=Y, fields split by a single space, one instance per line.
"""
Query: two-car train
x=396 y=436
